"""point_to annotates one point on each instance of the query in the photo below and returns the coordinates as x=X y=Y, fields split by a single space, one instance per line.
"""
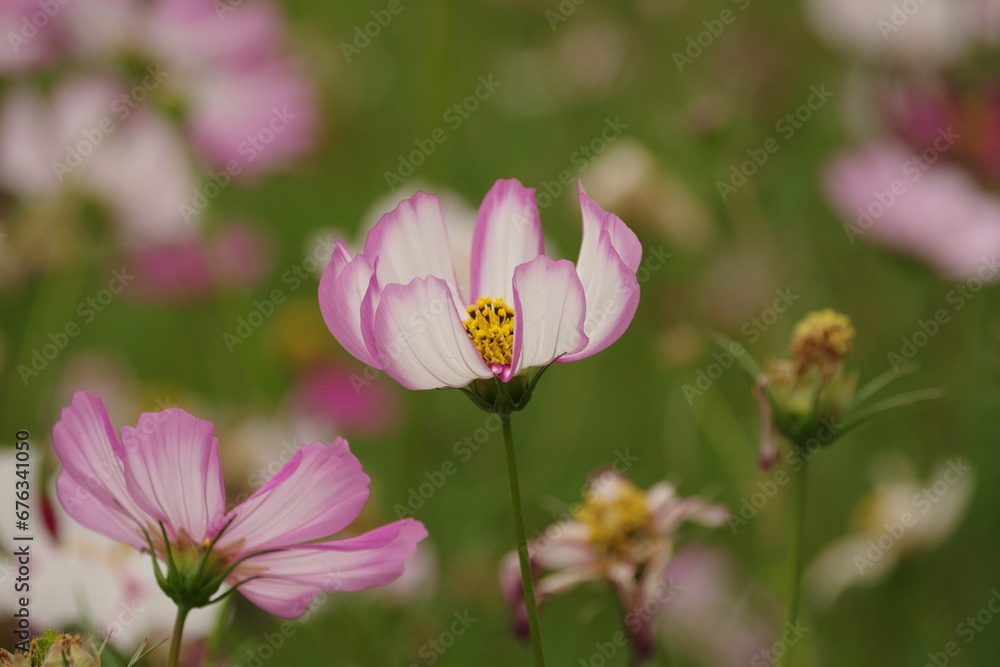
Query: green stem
x=795 y=560
x=522 y=543
x=175 y=640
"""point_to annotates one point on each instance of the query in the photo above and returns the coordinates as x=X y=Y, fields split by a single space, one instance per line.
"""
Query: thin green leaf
x=881 y=381
x=140 y=654
x=748 y=363
x=899 y=401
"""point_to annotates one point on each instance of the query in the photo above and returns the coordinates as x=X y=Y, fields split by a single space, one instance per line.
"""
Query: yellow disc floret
x=821 y=339
x=491 y=328
x=619 y=520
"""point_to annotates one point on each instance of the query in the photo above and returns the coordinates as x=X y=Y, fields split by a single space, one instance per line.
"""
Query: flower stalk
x=799 y=486
x=527 y=579
x=176 y=639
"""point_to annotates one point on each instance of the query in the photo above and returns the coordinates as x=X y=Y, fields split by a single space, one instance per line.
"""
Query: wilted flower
x=159 y=487
x=811 y=399
x=806 y=396
x=619 y=533
x=54 y=650
x=397 y=306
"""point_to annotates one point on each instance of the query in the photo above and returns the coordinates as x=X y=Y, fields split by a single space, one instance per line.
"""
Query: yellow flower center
x=491 y=327
x=620 y=524
x=821 y=339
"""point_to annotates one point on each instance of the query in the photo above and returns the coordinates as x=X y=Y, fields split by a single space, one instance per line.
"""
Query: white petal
x=549 y=310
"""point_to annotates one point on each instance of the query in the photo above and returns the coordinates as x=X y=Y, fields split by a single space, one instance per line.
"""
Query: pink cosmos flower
x=164 y=478
x=238 y=255
x=397 y=305
x=620 y=534
x=939 y=214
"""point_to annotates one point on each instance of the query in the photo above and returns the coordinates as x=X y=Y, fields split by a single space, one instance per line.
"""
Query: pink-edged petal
x=563 y=545
x=91 y=456
x=317 y=493
x=83 y=504
x=172 y=469
x=412 y=242
x=670 y=510
x=596 y=220
x=289 y=579
x=507 y=234
x=342 y=289
x=609 y=257
x=549 y=312
x=566 y=580
x=420 y=340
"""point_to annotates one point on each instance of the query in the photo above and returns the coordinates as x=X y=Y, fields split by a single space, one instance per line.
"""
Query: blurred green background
x=558 y=87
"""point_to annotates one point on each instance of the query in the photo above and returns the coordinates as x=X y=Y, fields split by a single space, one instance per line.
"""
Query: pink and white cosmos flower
x=166 y=471
x=619 y=534
x=397 y=306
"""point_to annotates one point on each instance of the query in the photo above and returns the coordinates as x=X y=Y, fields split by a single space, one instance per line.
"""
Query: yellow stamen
x=206 y=543
x=619 y=523
x=821 y=339
x=491 y=328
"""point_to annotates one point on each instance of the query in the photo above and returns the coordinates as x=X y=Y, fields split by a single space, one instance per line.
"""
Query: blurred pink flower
x=166 y=474
x=29 y=33
x=712 y=600
x=242 y=97
x=332 y=393
x=238 y=255
x=619 y=534
x=70 y=142
x=926 y=111
x=397 y=306
x=938 y=213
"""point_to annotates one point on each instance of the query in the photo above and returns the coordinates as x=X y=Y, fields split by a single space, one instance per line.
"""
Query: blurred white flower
x=901 y=515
